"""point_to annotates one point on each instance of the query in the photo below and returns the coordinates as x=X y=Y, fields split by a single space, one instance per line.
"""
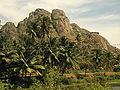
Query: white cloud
x=112 y=34
x=67 y=2
x=8 y=10
x=16 y=10
x=100 y=18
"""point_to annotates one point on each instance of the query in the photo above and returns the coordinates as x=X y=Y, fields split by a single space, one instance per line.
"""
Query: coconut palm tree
x=29 y=66
x=40 y=28
x=67 y=55
x=97 y=60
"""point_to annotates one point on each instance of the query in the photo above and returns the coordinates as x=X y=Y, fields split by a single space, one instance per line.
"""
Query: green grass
x=116 y=81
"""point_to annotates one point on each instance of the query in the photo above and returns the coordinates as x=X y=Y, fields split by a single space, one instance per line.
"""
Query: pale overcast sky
x=95 y=15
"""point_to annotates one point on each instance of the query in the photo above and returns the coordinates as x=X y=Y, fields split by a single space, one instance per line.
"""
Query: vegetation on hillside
x=40 y=59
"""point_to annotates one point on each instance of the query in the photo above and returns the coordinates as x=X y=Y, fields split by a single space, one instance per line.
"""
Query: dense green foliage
x=40 y=59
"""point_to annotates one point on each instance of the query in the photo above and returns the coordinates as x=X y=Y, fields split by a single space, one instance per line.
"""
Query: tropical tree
x=6 y=65
x=3 y=64
x=117 y=59
x=22 y=66
x=108 y=60
x=67 y=54
x=97 y=58
x=40 y=28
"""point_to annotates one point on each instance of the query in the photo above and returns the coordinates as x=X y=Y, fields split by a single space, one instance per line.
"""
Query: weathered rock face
x=93 y=39
x=36 y=17
x=78 y=30
x=33 y=16
x=9 y=28
x=82 y=32
x=9 y=31
x=102 y=43
x=61 y=24
x=22 y=26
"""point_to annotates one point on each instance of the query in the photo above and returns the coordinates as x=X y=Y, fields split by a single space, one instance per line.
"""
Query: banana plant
x=19 y=65
x=5 y=63
x=31 y=66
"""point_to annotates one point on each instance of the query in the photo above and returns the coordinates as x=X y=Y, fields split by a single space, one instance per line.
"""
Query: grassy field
x=92 y=74
x=116 y=81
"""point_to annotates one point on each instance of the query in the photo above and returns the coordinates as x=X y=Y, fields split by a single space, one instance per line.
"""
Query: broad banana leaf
x=30 y=70
x=2 y=54
x=39 y=67
x=7 y=59
x=53 y=54
x=49 y=59
x=34 y=33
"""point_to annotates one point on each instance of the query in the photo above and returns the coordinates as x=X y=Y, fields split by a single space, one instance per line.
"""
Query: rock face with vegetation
x=36 y=17
x=45 y=46
x=9 y=28
x=9 y=31
x=93 y=39
x=61 y=26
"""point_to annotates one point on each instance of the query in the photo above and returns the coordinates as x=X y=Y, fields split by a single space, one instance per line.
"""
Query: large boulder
x=62 y=24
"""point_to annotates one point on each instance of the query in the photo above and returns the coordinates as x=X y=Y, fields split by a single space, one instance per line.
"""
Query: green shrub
x=74 y=80
x=97 y=86
x=100 y=78
x=89 y=79
x=4 y=86
x=116 y=76
x=52 y=78
x=66 y=81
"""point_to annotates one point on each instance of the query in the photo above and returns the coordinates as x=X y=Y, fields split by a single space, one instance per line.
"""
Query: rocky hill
x=93 y=39
x=61 y=26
